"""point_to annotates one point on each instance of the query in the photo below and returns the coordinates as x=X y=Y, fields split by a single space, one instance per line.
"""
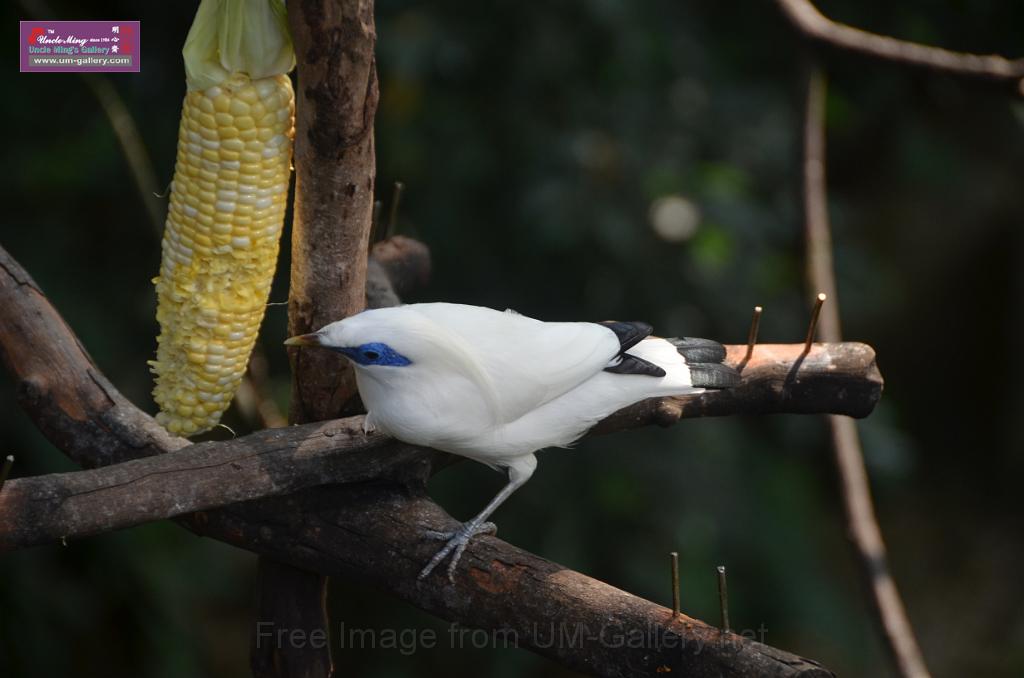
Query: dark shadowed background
x=593 y=160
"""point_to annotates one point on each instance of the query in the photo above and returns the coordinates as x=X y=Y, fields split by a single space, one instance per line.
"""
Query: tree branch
x=372 y=530
x=60 y=388
x=42 y=509
x=819 y=29
x=862 y=523
x=335 y=170
x=778 y=378
x=835 y=378
x=376 y=531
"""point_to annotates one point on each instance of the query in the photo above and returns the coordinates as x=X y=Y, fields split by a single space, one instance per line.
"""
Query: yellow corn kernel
x=219 y=253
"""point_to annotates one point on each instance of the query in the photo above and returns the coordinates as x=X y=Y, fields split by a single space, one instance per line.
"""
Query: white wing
x=528 y=362
x=563 y=420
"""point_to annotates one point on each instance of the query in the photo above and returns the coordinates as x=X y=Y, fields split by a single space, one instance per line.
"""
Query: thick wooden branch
x=335 y=172
x=992 y=69
x=376 y=532
x=70 y=402
x=45 y=509
x=372 y=530
x=60 y=388
x=778 y=378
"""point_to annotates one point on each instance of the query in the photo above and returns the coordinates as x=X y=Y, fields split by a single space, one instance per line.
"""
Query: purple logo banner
x=80 y=46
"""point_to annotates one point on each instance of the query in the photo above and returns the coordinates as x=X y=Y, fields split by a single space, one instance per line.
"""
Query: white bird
x=498 y=386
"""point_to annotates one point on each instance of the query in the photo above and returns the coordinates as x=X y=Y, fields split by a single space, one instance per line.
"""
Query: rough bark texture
x=335 y=170
x=524 y=601
x=58 y=385
x=334 y=180
x=778 y=378
x=45 y=509
x=371 y=530
x=77 y=409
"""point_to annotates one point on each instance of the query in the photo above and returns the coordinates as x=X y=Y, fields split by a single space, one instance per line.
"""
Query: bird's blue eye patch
x=375 y=353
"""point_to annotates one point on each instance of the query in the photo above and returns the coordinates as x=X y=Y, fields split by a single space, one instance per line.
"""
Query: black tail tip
x=704 y=358
x=713 y=375
x=699 y=350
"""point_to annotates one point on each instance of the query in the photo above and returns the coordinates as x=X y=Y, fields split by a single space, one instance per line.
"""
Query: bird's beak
x=304 y=340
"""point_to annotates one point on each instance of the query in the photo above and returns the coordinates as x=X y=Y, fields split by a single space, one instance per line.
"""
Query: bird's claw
x=457 y=540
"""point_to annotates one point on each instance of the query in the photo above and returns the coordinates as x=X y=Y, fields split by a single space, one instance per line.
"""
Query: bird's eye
x=371 y=355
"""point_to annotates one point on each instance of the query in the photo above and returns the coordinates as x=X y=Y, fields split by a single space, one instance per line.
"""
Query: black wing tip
x=629 y=334
x=631 y=364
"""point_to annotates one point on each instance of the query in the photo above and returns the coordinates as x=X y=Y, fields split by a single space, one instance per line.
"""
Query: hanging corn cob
x=227 y=207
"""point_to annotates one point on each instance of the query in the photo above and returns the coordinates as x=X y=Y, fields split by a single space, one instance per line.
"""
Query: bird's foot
x=457 y=540
x=368 y=425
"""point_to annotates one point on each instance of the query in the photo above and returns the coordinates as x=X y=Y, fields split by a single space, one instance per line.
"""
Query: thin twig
x=849 y=459
x=258 y=376
x=813 y=25
x=139 y=164
x=123 y=125
x=378 y=208
x=396 y=201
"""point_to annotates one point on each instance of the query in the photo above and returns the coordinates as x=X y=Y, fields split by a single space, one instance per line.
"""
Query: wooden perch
x=45 y=509
x=370 y=529
x=778 y=378
x=335 y=173
x=376 y=532
x=335 y=170
x=835 y=378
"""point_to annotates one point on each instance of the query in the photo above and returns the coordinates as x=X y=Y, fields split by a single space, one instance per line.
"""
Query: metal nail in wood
x=723 y=599
x=813 y=326
x=674 y=558
x=755 y=324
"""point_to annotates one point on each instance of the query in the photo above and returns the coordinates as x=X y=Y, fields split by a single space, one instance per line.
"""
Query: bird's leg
x=458 y=539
